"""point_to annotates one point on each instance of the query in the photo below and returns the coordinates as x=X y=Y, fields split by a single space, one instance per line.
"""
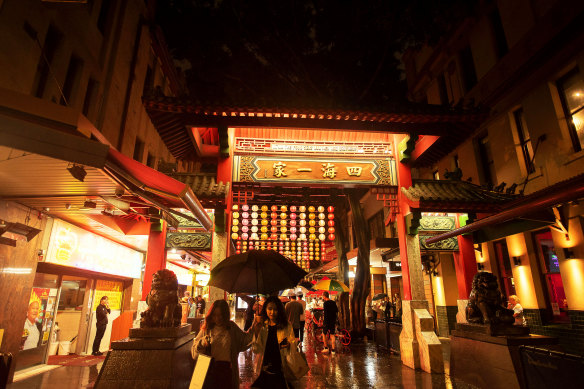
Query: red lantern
x=274 y=215
x=293 y=208
x=331 y=236
x=274 y=208
x=331 y=223
x=274 y=222
x=331 y=230
x=274 y=236
x=274 y=229
x=331 y=216
x=330 y=209
x=237 y=251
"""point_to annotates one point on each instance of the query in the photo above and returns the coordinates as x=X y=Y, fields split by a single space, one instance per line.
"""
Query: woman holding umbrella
x=223 y=340
x=273 y=334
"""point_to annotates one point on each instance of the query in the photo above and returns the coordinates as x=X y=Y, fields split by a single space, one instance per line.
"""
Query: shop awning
x=155 y=187
x=552 y=196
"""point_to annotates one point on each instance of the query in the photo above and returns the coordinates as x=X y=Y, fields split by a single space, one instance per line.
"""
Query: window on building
x=487 y=163
x=505 y=275
x=551 y=273
x=436 y=175
x=90 y=96
x=151 y=160
x=500 y=40
x=53 y=41
x=469 y=74
x=571 y=89
x=72 y=78
x=138 y=150
x=524 y=140
x=456 y=162
x=376 y=225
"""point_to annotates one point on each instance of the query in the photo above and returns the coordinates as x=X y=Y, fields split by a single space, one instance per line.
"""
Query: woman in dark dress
x=273 y=337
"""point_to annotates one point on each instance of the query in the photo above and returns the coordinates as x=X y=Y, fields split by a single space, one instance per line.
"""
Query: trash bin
x=53 y=347
x=64 y=348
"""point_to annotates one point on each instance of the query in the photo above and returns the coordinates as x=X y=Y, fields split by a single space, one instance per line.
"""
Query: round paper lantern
x=331 y=216
x=322 y=236
x=254 y=236
x=274 y=229
x=302 y=237
x=274 y=222
x=293 y=222
x=312 y=222
x=283 y=237
x=254 y=215
x=312 y=237
x=320 y=208
x=311 y=209
x=235 y=222
x=293 y=216
x=293 y=230
x=331 y=223
x=244 y=229
x=293 y=236
x=274 y=236
x=235 y=207
x=302 y=222
x=254 y=229
x=322 y=223
x=331 y=236
x=235 y=215
x=245 y=207
x=264 y=208
x=293 y=208
x=234 y=236
x=322 y=230
x=274 y=215
x=283 y=222
x=244 y=236
x=255 y=208
x=283 y=229
x=264 y=236
x=283 y=208
x=237 y=251
x=302 y=208
x=302 y=216
x=331 y=230
x=302 y=230
x=312 y=216
x=264 y=229
x=234 y=228
x=321 y=216
x=312 y=230
x=330 y=209
x=283 y=215
x=245 y=215
x=265 y=222
x=264 y=215
x=245 y=222
x=254 y=222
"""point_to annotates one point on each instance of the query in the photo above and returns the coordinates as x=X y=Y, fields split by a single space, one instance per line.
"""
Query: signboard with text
x=75 y=247
x=314 y=170
x=113 y=290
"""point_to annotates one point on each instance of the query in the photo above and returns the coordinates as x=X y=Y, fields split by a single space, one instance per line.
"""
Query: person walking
x=101 y=313
x=302 y=318
x=223 y=340
x=200 y=306
x=294 y=310
x=272 y=334
x=330 y=320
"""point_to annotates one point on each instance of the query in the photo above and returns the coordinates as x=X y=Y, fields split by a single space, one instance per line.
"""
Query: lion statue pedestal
x=485 y=352
x=156 y=355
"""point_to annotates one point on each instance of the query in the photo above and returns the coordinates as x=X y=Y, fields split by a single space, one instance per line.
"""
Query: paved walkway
x=361 y=365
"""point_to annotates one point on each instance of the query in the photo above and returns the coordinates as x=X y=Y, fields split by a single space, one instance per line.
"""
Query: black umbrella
x=256 y=271
x=379 y=296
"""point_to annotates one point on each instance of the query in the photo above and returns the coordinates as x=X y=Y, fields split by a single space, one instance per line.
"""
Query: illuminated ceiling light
x=78 y=172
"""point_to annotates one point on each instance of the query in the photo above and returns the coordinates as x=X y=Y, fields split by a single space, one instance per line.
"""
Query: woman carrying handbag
x=275 y=343
x=223 y=340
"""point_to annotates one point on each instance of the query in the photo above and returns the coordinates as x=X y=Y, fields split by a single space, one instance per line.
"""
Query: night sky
x=301 y=53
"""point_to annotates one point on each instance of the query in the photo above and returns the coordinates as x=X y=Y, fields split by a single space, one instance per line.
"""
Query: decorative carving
x=445 y=244
x=384 y=172
x=246 y=168
x=184 y=222
x=485 y=303
x=436 y=223
x=164 y=309
x=191 y=241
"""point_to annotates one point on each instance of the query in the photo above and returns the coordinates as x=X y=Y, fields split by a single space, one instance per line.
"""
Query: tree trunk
x=342 y=248
x=362 y=287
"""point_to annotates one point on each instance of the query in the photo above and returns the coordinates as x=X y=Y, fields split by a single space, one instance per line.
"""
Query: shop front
x=78 y=269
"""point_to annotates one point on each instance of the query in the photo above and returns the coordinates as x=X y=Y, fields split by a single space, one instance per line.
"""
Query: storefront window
x=72 y=293
x=553 y=279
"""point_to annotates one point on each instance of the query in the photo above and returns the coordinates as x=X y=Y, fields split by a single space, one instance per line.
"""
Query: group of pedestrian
x=196 y=305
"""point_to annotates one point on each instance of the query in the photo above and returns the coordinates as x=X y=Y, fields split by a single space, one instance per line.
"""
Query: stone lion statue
x=164 y=309
x=485 y=303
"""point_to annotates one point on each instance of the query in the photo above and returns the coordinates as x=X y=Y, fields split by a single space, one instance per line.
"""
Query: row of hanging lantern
x=298 y=232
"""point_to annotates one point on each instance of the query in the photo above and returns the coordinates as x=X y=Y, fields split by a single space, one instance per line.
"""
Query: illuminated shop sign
x=75 y=247
x=264 y=146
x=316 y=170
x=301 y=233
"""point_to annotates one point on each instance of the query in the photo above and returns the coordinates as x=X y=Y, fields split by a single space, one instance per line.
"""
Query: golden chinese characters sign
x=113 y=290
x=321 y=170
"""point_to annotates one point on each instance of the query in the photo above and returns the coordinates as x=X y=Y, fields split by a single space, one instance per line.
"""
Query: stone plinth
x=149 y=358
x=490 y=361
x=493 y=329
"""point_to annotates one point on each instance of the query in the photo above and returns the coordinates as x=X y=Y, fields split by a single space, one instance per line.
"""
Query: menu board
x=113 y=290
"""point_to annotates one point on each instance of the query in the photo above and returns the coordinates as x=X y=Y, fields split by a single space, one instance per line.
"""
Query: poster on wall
x=113 y=290
x=38 y=320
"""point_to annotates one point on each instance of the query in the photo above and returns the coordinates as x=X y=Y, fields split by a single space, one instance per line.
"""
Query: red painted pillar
x=404 y=179
x=155 y=258
x=465 y=265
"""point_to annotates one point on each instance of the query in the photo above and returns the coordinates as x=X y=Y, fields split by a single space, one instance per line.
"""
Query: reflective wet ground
x=361 y=365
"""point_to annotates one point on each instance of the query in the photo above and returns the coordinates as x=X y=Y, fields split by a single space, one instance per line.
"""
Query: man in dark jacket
x=101 y=313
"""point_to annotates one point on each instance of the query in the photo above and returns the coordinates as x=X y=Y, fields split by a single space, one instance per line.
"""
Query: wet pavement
x=360 y=365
